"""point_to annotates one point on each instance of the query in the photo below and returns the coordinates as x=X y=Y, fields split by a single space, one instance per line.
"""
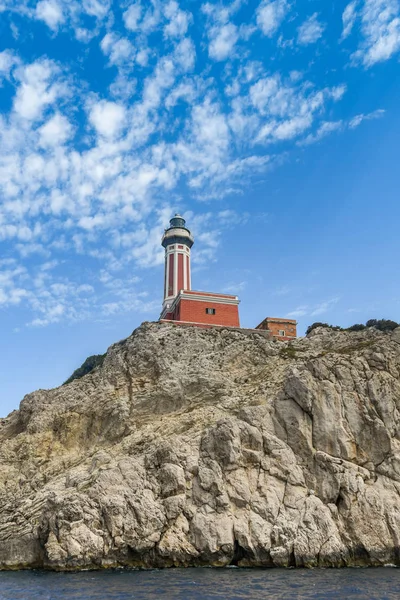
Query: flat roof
x=194 y=292
x=278 y=320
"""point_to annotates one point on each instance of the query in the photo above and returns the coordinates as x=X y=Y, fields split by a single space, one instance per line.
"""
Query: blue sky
x=273 y=126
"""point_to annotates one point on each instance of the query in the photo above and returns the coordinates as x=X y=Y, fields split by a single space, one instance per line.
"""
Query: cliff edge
x=210 y=447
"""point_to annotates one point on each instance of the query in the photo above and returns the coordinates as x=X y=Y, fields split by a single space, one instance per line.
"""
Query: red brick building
x=182 y=304
x=281 y=329
x=204 y=308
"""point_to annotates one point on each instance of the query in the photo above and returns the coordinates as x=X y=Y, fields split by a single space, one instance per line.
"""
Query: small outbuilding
x=281 y=329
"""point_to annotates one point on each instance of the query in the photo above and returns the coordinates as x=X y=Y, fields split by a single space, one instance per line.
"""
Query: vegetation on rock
x=380 y=324
x=87 y=367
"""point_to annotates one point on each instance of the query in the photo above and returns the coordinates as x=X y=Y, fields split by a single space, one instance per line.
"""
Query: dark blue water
x=204 y=584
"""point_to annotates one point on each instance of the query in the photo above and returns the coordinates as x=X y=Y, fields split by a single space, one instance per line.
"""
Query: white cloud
x=132 y=16
x=12 y=277
x=178 y=20
x=300 y=311
x=328 y=127
x=310 y=31
x=7 y=61
x=142 y=57
x=229 y=217
x=323 y=130
x=155 y=85
x=119 y=50
x=108 y=118
x=324 y=307
x=270 y=15
x=96 y=8
x=349 y=18
x=381 y=32
x=223 y=40
x=50 y=12
x=136 y=18
x=338 y=92
x=203 y=151
x=287 y=108
x=313 y=311
x=358 y=119
x=83 y=34
x=235 y=288
x=123 y=86
x=292 y=127
x=296 y=76
x=56 y=131
x=72 y=14
x=209 y=125
x=222 y=33
x=53 y=298
x=185 y=54
x=183 y=91
x=37 y=89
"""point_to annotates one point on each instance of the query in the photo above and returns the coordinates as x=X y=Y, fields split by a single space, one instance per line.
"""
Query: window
x=281 y=332
x=210 y=311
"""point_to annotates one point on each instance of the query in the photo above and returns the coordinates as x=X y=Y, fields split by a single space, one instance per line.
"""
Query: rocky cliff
x=210 y=447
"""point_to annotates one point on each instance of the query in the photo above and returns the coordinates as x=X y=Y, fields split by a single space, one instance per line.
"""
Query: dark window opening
x=282 y=332
x=210 y=311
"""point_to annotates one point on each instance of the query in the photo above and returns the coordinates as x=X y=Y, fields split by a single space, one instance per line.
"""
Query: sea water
x=204 y=584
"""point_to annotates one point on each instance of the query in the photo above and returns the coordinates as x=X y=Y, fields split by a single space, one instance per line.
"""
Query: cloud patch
x=222 y=41
x=271 y=14
x=39 y=87
x=108 y=118
x=380 y=26
x=50 y=11
x=349 y=18
x=313 y=310
x=310 y=31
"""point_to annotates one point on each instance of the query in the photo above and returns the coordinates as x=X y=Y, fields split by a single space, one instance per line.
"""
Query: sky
x=273 y=126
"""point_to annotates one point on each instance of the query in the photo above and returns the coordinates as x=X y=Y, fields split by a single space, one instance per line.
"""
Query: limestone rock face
x=210 y=447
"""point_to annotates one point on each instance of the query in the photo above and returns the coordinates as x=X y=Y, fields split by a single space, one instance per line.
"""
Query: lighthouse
x=184 y=306
x=181 y=304
x=177 y=241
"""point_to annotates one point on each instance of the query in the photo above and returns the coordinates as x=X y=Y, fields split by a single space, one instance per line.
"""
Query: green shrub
x=382 y=324
x=287 y=352
x=356 y=327
x=318 y=324
x=90 y=363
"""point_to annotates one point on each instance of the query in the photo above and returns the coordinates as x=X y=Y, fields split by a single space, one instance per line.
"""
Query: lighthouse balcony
x=177 y=235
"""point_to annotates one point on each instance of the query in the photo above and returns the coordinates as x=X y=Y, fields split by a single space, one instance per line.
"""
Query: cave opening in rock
x=238 y=554
x=292 y=559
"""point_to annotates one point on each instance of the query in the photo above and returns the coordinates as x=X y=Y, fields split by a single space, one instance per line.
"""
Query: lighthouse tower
x=177 y=241
x=181 y=304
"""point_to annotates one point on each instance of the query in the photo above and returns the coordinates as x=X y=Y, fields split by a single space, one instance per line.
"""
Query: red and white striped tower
x=177 y=241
